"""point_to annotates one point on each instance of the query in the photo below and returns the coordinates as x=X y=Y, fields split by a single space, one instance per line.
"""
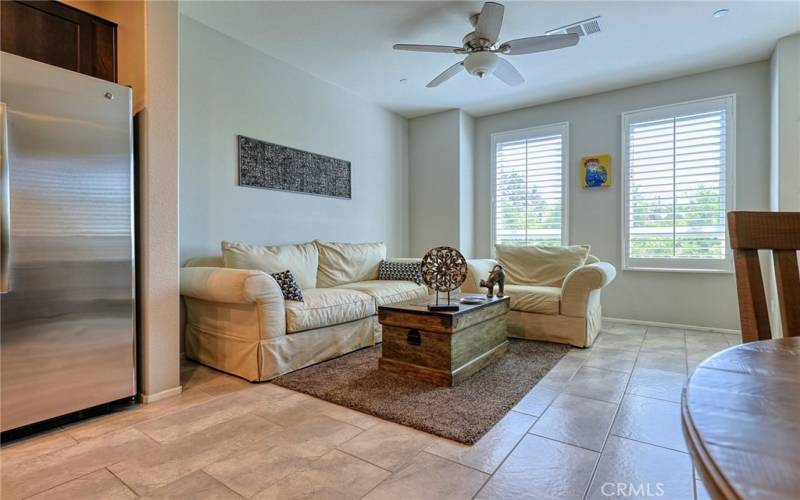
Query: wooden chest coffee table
x=442 y=347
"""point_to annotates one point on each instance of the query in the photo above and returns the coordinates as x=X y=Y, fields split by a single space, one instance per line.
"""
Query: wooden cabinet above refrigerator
x=57 y=34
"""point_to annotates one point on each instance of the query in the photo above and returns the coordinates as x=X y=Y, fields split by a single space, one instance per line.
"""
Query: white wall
x=441 y=181
x=681 y=298
x=785 y=125
x=466 y=184
x=784 y=148
x=228 y=88
x=434 y=149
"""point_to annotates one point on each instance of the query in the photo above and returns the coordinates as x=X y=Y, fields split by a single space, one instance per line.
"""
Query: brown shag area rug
x=463 y=413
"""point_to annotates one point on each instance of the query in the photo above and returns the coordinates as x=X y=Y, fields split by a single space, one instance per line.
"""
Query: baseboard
x=152 y=398
x=672 y=325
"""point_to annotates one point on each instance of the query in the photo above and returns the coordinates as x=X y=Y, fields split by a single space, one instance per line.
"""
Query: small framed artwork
x=596 y=171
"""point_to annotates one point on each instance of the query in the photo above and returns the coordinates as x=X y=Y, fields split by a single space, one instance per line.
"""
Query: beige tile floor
x=603 y=423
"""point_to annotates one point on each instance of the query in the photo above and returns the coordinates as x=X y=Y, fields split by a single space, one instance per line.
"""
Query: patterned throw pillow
x=406 y=271
x=289 y=287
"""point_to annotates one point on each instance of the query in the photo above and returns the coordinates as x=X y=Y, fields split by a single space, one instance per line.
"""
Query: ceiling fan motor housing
x=482 y=48
x=480 y=64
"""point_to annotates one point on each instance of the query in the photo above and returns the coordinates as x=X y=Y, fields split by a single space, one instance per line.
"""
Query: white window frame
x=727 y=102
x=528 y=133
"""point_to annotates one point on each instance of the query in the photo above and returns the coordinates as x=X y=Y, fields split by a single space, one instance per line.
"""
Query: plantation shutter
x=677 y=185
x=529 y=186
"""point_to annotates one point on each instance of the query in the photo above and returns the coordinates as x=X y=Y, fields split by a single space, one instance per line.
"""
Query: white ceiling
x=349 y=44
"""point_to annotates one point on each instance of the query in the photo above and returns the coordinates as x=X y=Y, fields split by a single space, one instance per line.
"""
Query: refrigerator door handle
x=5 y=204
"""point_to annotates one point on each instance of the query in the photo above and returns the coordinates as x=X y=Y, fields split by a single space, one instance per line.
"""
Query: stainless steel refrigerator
x=67 y=320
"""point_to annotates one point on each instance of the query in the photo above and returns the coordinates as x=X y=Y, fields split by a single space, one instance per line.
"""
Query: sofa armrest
x=238 y=287
x=580 y=283
x=477 y=270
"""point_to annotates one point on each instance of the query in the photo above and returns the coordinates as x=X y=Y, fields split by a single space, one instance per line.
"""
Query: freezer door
x=67 y=329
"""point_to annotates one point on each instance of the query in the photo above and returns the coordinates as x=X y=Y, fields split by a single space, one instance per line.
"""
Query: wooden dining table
x=741 y=420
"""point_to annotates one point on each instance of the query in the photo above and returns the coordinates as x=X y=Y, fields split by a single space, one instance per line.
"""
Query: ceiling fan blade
x=539 y=44
x=507 y=73
x=489 y=21
x=447 y=49
x=446 y=74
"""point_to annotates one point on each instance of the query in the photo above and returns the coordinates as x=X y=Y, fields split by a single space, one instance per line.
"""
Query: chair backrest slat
x=787 y=278
x=753 y=312
x=779 y=232
x=765 y=230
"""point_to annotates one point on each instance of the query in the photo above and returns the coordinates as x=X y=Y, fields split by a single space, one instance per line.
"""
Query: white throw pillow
x=343 y=263
x=540 y=265
x=302 y=260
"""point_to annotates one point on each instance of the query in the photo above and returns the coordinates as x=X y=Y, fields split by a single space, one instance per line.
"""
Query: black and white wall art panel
x=272 y=166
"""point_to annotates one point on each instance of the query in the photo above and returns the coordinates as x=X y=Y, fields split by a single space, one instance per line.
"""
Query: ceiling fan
x=482 y=47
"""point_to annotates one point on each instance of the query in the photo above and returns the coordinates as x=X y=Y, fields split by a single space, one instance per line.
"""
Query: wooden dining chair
x=779 y=232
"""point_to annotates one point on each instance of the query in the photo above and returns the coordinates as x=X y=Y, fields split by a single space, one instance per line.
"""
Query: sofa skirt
x=578 y=332
x=262 y=360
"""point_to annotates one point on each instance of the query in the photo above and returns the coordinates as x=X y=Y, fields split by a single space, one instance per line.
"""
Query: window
x=530 y=186
x=678 y=185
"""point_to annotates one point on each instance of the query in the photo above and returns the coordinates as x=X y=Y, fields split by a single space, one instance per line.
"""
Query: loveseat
x=554 y=291
x=238 y=321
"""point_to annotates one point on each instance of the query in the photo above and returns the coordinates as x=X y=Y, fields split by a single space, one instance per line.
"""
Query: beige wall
x=130 y=18
x=158 y=201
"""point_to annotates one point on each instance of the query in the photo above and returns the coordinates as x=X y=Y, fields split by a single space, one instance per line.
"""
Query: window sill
x=677 y=270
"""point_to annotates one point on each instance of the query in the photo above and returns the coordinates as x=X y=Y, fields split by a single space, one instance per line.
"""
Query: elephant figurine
x=497 y=276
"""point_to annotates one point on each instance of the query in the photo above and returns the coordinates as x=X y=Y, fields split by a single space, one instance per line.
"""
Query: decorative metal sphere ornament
x=444 y=269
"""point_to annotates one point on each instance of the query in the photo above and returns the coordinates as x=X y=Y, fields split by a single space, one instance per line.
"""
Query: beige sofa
x=555 y=292
x=238 y=321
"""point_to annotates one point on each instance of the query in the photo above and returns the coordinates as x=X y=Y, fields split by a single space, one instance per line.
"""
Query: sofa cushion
x=302 y=260
x=540 y=265
x=534 y=299
x=388 y=291
x=326 y=307
x=342 y=263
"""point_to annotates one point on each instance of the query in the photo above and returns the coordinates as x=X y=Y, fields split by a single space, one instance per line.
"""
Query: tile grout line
x=608 y=432
x=505 y=458
x=223 y=485
x=613 y=420
x=79 y=477
x=651 y=397
x=141 y=406
x=650 y=444
x=306 y=468
x=405 y=466
x=127 y=486
x=500 y=465
x=425 y=450
x=359 y=458
x=557 y=389
x=68 y=481
x=563 y=442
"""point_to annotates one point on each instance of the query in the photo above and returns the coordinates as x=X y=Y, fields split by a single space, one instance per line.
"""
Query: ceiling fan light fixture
x=482 y=45
x=480 y=64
